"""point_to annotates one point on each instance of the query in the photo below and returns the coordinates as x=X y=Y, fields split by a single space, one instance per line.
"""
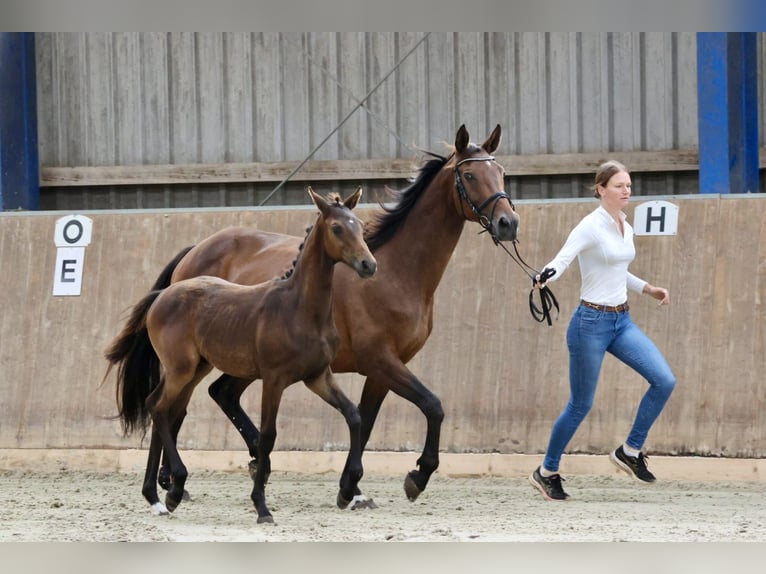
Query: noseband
x=547 y=298
x=484 y=221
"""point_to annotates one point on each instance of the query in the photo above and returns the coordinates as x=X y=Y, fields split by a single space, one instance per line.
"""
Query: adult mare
x=383 y=322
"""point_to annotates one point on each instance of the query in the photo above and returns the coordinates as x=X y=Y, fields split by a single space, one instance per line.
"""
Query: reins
x=547 y=299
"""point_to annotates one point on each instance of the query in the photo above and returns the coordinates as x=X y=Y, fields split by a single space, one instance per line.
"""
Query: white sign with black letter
x=655 y=218
x=72 y=235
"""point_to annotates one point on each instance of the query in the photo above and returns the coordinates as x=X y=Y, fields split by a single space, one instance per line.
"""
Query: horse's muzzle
x=506 y=227
x=366 y=268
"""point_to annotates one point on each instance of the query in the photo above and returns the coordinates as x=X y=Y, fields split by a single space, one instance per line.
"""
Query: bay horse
x=382 y=322
x=281 y=331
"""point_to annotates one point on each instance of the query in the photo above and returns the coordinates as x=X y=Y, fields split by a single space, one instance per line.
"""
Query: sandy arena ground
x=78 y=505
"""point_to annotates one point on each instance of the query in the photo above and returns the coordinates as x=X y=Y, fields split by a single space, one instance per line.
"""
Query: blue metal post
x=728 y=112
x=19 y=163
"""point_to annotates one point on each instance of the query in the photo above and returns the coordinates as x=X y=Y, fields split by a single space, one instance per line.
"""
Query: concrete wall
x=501 y=376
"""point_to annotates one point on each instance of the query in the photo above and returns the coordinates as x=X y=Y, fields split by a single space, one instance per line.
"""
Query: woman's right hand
x=542 y=278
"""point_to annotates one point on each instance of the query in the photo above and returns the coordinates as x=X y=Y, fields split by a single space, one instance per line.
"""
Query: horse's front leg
x=400 y=380
x=270 y=399
x=325 y=387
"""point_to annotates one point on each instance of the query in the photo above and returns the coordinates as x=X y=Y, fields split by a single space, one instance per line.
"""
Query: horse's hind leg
x=165 y=404
x=164 y=476
x=226 y=391
x=149 y=489
x=326 y=387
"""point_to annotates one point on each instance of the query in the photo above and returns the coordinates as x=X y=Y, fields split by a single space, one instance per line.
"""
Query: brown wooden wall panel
x=501 y=376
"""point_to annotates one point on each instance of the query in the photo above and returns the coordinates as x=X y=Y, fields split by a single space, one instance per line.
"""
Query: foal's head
x=342 y=232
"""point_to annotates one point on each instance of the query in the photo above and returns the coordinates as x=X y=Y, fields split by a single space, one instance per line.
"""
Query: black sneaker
x=635 y=466
x=550 y=487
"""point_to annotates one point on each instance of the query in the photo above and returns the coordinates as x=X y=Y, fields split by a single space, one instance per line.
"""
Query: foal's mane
x=383 y=226
x=333 y=198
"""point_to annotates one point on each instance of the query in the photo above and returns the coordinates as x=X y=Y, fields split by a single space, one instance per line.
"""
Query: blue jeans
x=591 y=334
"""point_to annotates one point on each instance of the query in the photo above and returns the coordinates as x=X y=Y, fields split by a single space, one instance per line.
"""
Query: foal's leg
x=164 y=475
x=270 y=399
x=400 y=380
x=149 y=489
x=325 y=386
x=226 y=391
x=165 y=403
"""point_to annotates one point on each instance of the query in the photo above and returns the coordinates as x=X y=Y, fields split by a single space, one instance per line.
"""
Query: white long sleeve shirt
x=603 y=255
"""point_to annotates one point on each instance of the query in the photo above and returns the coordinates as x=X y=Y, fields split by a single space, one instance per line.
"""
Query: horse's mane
x=333 y=198
x=300 y=250
x=383 y=226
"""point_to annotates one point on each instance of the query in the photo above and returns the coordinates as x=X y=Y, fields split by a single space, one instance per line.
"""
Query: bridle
x=484 y=221
x=547 y=298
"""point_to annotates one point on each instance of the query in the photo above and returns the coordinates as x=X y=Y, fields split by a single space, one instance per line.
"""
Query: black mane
x=290 y=271
x=384 y=225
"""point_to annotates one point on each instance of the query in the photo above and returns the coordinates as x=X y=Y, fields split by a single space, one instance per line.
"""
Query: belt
x=608 y=308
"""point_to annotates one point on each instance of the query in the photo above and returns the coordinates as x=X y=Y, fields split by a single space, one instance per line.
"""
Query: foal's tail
x=138 y=367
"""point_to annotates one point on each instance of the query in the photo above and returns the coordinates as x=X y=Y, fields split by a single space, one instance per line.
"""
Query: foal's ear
x=352 y=200
x=461 y=140
x=318 y=200
x=493 y=141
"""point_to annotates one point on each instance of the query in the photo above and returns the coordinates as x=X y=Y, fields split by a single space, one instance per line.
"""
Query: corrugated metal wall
x=178 y=98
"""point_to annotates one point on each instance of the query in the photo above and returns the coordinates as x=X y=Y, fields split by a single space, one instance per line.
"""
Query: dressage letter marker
x=71 y=236
x=655 y=218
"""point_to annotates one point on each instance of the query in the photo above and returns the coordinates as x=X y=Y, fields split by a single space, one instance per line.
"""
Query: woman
x=603 y=245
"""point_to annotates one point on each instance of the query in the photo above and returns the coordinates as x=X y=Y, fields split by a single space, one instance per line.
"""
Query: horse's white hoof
x=361 y=501
x=159 y=509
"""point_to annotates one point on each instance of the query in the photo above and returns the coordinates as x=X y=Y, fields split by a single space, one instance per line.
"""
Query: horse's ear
x=493 y=141
x=461 y=140
x=318 y=200
x=352 y=200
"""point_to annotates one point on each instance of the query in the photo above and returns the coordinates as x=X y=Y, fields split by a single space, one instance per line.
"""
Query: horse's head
x=343 y=232
x=480 y=185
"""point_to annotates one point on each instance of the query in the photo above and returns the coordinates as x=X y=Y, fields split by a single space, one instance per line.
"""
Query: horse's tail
x=163 y=280
x=138 y=367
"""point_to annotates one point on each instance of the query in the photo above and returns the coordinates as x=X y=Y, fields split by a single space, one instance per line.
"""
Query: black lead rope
x=547 y=299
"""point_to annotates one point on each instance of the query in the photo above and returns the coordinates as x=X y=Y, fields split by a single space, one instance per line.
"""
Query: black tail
x=138 y=372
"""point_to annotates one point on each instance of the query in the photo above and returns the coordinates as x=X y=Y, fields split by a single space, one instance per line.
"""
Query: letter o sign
x=73 y=231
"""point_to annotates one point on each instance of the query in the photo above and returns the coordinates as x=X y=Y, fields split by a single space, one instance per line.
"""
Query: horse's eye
x=337 y=229
x=469 y=176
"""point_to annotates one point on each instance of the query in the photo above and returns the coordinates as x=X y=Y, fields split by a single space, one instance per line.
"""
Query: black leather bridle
x=484 y=221
x=547 y=299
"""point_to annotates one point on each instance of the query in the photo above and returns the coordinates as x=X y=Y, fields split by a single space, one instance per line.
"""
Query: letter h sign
x=655 y=218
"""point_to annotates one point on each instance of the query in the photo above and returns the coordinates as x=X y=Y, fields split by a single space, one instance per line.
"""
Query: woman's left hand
x=659 y=293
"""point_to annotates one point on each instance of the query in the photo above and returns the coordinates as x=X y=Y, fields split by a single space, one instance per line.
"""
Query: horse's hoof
x=266 y=519
x=411 y=489
x=342 y=502
x=158 y=509
x=361 y=501
x=166 y=482
x=171 y=503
